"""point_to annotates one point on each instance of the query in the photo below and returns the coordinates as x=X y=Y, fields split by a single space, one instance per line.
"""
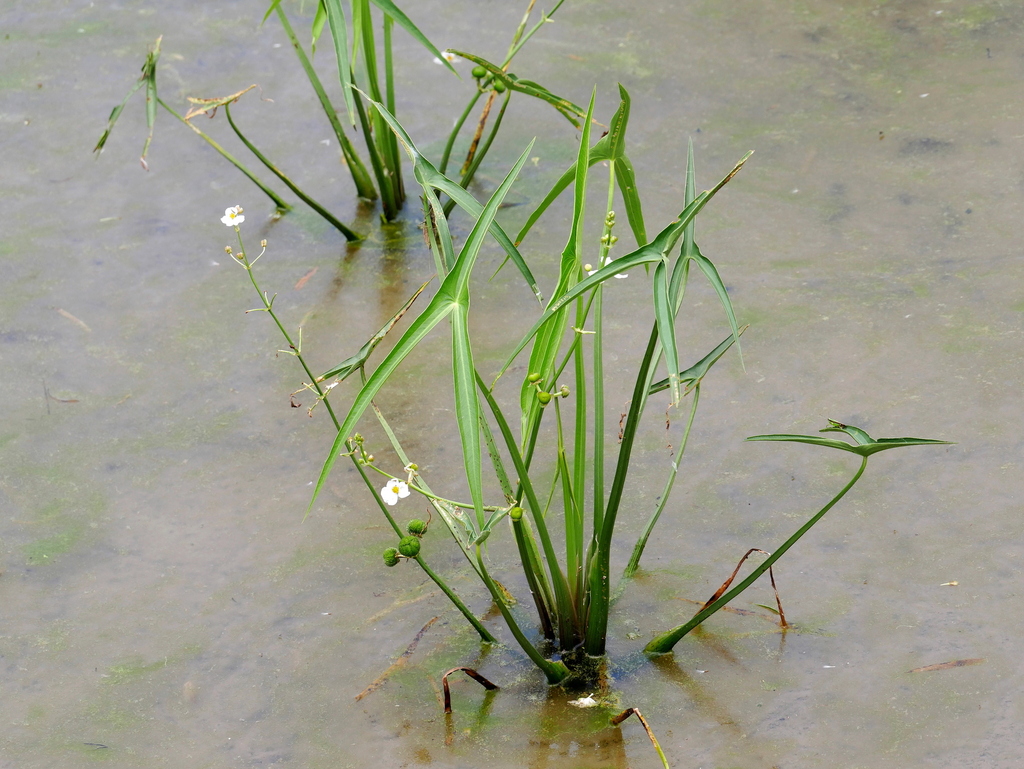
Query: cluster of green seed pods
x=480 y=72
x=409 y=545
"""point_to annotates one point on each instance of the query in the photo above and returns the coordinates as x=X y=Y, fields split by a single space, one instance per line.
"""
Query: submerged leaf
x=948 y=665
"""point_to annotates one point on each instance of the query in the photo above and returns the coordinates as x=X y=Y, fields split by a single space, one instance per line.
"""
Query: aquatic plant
x=561 y=400
x=365 y=73
x=547 y=454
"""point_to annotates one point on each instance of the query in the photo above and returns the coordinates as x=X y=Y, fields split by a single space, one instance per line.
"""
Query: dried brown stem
x=479 y=132
x=469 y=672
x=654 y=741
x=725 y=585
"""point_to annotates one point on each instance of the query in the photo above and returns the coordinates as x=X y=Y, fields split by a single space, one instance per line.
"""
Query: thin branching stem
x=243 y=259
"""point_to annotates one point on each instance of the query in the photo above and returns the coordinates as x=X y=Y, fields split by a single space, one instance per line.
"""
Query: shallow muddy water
x=162 y=600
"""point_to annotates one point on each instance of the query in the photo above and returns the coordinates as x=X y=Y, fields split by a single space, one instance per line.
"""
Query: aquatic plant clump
x=549 y=452
x=570 y=583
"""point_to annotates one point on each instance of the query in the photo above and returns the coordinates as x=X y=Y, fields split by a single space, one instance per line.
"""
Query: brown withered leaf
x=305 y=278
x=948 y=665
x=210 y=106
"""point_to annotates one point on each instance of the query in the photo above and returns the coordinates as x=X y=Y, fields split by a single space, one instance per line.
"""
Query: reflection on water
x=163 y=600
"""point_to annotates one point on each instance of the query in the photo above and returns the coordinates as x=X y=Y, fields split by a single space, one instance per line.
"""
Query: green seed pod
x=417 y=527
x=533 y=378
x=499 y=86
x=479 y=72
x=409 y=546
x=515 y=513
x=390 y=556
x=544 y=398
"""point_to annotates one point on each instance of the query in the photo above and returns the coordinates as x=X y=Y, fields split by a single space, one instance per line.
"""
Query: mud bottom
x=586 y=672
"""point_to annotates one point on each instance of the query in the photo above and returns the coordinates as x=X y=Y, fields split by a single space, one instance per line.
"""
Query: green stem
x=387 y=193
x=443 y=165
x=556 y=672
x=597 y=621
x=563 y=603
x=281 y=205
x=638 y=549
x=360 y=176
x=467 y=177
x=349 y=234
x=389 y=89
x=425 y=491
x=484 y=633
x=518 y=42
x=664 y=642
x=535 y=577
x=599 y=362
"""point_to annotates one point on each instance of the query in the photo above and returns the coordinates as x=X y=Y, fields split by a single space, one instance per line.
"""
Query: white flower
x=233 y=216
x=450 y=57
x=590 y=269
x=394 y=491
x=585 y=702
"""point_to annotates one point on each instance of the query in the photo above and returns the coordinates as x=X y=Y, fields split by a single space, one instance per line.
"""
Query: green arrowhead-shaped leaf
x=865 y=445
x=566 y=108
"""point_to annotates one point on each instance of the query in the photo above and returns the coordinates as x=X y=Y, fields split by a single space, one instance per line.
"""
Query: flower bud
x=544 y=398
x=409 y=546
x=479 y=72
x=417 y=527
x=499 y=86
x=515 y=513
x=564 y=392
x=533 y=378
x=390 y=556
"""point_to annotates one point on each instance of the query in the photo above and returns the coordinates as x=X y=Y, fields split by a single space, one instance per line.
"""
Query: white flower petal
x=394 y=491
x=233 y=216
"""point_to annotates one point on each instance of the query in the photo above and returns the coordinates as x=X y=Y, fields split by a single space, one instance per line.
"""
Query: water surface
x=165 y=604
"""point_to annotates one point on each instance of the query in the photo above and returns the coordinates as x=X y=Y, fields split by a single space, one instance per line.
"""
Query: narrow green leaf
x=270 y=9
x=549 y=338
x=319 y=20
x=339 y=34
x=151 y=96
x=626 y=179
x=467 y=407
x=863 y=449
x=428 y=176
x=403 y=21
x=438 y=309
x=566 y=108
x=856 y=433
x=609 y=147
x=816 y=440
x=451 y=293
x=698 y=370
x=116 y=113
x=355 y=362
x=711 y=273
x=665 y=318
